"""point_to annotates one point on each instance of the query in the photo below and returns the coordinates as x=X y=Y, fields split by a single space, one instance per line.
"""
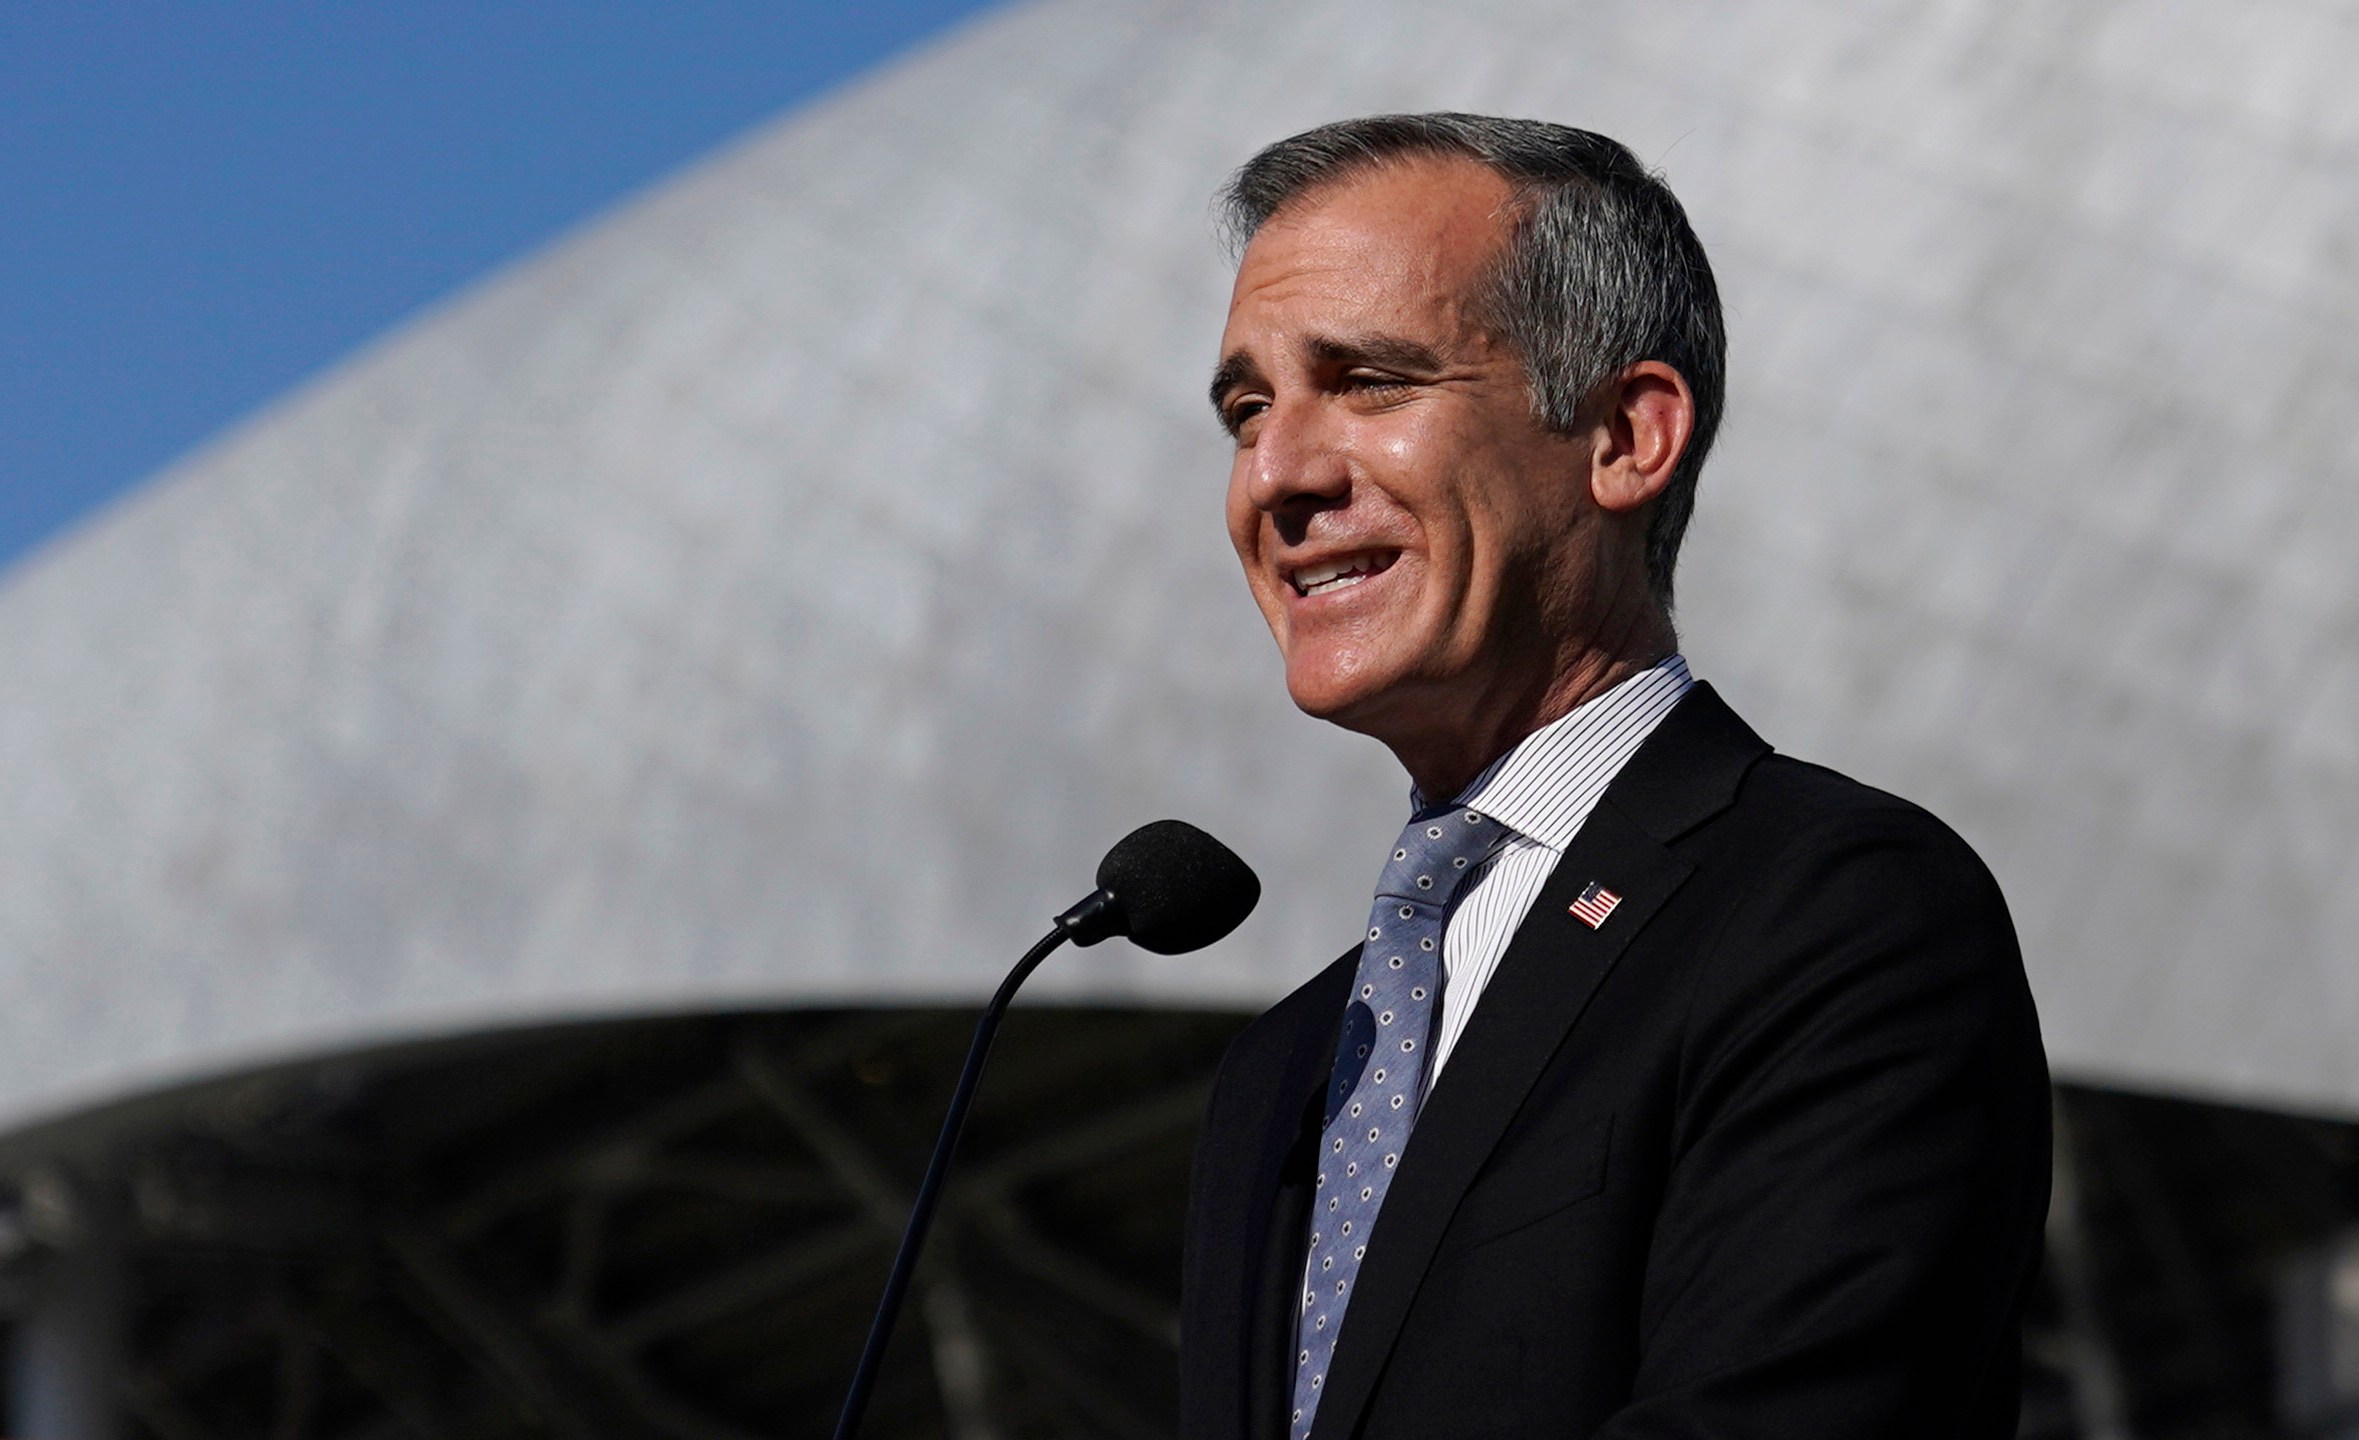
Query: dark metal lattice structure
x=675 y=1229
x=664 y=1228
x=2170 y=1231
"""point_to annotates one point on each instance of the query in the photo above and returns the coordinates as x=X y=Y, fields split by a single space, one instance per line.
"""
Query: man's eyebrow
x=1389 y=352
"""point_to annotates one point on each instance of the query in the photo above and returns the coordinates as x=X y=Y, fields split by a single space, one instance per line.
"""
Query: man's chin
x=1349 y=699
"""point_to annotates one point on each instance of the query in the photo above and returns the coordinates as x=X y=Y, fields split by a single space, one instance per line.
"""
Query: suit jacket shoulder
x=1762 y=1153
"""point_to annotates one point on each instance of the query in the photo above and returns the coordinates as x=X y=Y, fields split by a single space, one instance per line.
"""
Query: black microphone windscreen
x=1179 y=888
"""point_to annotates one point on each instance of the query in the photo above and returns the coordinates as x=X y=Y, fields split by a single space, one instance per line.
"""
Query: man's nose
x=1296 y=462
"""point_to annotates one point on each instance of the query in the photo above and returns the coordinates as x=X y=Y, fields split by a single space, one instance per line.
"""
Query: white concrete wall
x=787 y=587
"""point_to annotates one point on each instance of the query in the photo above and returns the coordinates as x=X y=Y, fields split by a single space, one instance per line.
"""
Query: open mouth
x=1328 y=576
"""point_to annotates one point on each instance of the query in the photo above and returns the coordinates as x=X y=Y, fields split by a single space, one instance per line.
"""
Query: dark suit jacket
x=1766 y=1154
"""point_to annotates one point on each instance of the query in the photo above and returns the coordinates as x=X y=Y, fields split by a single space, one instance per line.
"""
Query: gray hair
x=1602 y=271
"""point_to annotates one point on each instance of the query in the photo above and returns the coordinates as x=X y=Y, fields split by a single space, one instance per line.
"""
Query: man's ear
x=1645 y=419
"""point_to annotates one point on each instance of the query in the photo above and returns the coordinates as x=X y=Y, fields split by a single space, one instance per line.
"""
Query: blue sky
x=203 y=203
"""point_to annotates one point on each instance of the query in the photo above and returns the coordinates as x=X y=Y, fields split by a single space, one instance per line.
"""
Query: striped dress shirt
x=1542 y=790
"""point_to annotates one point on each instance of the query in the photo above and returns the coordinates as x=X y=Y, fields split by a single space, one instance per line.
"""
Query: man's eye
x=1373 y=380
x=1239 y=412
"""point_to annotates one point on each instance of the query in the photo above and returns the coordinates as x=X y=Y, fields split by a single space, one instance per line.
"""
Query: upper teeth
x=1314 y=578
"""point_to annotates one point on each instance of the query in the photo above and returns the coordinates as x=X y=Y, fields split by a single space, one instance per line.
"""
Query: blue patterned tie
x=1379 y=1072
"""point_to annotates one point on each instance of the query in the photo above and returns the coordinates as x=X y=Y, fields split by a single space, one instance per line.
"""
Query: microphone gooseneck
x=1168 y=886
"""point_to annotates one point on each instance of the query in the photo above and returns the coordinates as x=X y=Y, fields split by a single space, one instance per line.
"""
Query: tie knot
x=1436 y=852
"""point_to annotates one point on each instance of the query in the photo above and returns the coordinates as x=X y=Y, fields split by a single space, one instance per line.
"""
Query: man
x=1677 y=1088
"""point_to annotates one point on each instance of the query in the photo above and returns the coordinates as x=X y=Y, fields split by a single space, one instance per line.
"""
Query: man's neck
x=1442 y=764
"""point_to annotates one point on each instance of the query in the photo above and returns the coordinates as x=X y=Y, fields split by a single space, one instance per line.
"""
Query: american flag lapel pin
x=1595 y=904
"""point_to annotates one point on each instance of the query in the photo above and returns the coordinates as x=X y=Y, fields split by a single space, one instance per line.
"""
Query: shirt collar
x=1545 y=787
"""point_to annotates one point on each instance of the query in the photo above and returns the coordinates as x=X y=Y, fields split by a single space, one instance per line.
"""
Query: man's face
x=1421 y=545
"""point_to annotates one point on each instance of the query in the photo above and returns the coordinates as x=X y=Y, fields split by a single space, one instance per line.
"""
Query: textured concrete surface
x=786 y=587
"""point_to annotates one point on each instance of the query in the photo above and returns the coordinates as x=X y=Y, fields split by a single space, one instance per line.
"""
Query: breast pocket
x=1537 y=1176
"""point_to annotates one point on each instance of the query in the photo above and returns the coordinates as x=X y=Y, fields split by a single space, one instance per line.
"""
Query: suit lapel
x=1281 y=1095
x=1686 y=772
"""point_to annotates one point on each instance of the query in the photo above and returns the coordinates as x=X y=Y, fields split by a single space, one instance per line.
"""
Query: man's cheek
x=1242 y=520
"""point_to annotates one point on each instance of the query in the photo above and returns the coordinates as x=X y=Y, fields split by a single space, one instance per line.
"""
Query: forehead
x=1408 y=235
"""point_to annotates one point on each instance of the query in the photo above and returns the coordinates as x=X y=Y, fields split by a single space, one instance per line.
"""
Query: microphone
x=1170 y=888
